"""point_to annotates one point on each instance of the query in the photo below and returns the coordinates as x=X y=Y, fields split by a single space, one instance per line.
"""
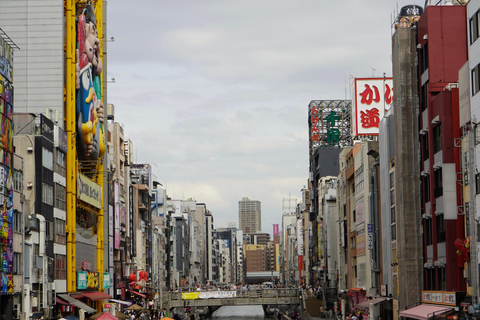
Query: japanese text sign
x=373 y=98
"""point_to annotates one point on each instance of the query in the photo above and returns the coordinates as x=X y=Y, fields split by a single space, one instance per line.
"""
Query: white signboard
x=373 y=98
x=300 y=237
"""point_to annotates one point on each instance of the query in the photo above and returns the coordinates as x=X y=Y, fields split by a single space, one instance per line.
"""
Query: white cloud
x=216 y=92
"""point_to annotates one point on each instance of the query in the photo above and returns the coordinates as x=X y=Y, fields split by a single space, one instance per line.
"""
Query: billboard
x=6 y=158
x=88 y=191
x=329 y=123
x=373 y=97
x=89 y=113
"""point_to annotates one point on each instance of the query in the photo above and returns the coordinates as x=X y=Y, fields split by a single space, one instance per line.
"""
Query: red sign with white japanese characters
x=373 y=98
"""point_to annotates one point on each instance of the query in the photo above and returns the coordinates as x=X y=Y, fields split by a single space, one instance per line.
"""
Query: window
x=47 y=159
x=36 y=249
x=425 y=146
x=50 y=230
x=60 y=162
x=394 y=232
x=47 y=194
x=392 y=214
x=17 y=263
x=430 y=279
x=440 y=226
x=438 y=190
x=60 y=196
x=426 y=188
x=428 y=231
x=441 y=280
x=424 y=58
x=477 y=134
x=359 y=179
x=477 y=183
x=60 y=235
x=475 y=79
x=437 y=138
x=474 y=28
x=17 y=221
x=60 y=266
x=423 y=97
x=18 y=180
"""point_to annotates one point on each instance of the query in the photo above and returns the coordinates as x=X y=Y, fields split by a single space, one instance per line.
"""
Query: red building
x=442 y=51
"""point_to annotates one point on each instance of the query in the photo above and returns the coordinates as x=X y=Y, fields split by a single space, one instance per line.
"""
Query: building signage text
x=89 y=191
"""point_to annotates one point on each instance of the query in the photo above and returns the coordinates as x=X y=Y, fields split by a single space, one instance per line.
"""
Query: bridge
x=212 y=300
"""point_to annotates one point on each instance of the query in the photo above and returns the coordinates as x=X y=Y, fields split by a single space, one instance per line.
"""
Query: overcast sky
x=214 y=94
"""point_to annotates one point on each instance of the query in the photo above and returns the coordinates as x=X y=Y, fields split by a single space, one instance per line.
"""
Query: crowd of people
x=146 y=314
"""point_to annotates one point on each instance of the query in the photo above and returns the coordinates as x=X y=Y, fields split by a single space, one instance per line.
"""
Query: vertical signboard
x=91 y=143
x=117 y=216
x=370 y=237
x=464 y=94
x=6 y=158
x=300 y=237
x=329 y=123
x=275 y=229
x=361 y=242
x=373 y=98
x=360 y=211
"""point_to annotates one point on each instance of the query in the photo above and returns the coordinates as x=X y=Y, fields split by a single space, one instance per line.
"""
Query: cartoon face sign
x=91 y=142
x=409 y=15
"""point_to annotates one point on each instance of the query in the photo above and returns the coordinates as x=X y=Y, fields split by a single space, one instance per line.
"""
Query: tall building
x=443 y=221
x=250 y=215
x=404 y=209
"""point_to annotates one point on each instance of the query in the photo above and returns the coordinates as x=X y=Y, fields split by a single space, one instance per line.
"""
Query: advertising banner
x=275 y=229
x=373 y=98
x=82 y=279
x=91 y=141
x=440 y=297
x=361 y=242
x=89 y=191
x=360 y=211
x=106 y=280
x=217 y=294
x=370 y=237
x=190 y=295
x=300 y=237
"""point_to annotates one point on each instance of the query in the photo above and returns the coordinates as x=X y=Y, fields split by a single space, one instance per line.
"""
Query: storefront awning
x=424 y=311
x=96 y=295
x=352 y=291
x=365 y=304
x=77 y=303
x=138 y=294
x=62 y=302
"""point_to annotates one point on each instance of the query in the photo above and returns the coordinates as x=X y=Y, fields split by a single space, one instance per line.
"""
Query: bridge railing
x=243 y=293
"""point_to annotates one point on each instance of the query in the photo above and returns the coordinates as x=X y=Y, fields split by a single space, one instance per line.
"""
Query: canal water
x=240 y=313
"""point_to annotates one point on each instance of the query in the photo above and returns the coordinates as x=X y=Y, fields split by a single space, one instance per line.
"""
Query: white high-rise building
x=250 y=215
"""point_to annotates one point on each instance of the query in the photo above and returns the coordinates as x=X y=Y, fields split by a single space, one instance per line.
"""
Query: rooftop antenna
x=373 y=72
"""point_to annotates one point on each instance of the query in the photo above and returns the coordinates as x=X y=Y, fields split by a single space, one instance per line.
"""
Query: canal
x=240 y=313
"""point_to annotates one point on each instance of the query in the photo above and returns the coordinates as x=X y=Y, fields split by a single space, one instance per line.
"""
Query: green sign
x=82 y=279
x=106 y=280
